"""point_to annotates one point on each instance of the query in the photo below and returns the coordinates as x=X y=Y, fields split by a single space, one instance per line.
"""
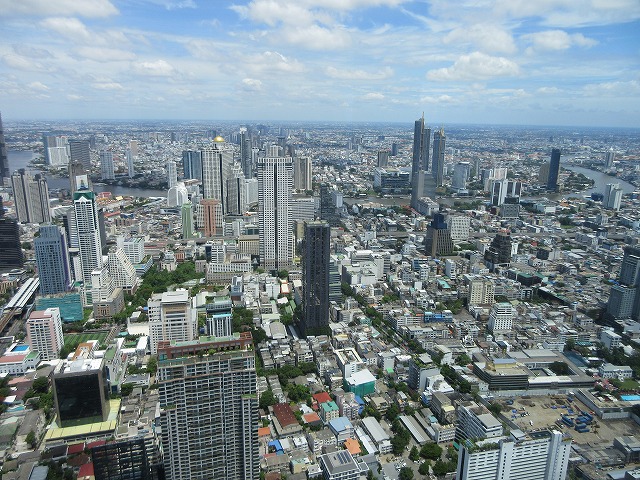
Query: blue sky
x=546 y=62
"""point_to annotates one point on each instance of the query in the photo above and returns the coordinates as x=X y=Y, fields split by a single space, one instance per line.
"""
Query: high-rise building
x=52 y=259
x=121 y=269
x=245 y=153
x=172 y=174
x=420 y=161
x=236 y=194
x=31 y=195
x=383 y=158
x=187 y=220
x=538 y=455
x=88 y=232
x=437 y=239
x=128 y=459
x=55 y=150
x=80 y=153
x=78 y=178
x=501 y=317
x=609 y=159
x=302 y=175
x=503 y=189
x=209 y=409
x=275 y=183
x=171 y=318
x=107 y=168
x=192 y=164
x=437 y=158
x=217 y=163
x=212 y=217
x=133 y=146
x=11 y=254
x=500 y=250
x=459 y=226
x=4 y=158
x=554 y=170
x=315 y=277
x=612 y=196
x=131 y=169
x=461 y=175
x=219 y=314
x=624 y=299
x=481 y=291
x=44 y=333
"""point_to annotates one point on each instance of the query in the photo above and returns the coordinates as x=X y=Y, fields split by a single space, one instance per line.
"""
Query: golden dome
x=218 y=139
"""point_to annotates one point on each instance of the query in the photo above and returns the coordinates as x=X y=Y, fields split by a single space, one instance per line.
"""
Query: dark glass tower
x=315 y=271
x=437 y=168
x=4 y=159
x=437 y=239
x=125 y=460
x=192 y=164
x=554 y=169
x=52 y=258
x=11 y=255
x=420 y=163
x=80 y=153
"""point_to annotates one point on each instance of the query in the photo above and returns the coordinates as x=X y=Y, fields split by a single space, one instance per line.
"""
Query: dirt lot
x=542 y=414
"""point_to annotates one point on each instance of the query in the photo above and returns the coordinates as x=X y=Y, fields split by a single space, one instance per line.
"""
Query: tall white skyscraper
x=172 y=174
x=88 y=232
x=612 y=196
x=121 y=269
x=130 y=168
x=171 y=318
x=31 y=196
x=107 y=169
x=461 y=175
x=275 y=182
x=217 y=164
x=44 y=333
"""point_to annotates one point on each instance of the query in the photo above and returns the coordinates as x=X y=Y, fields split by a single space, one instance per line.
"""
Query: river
x=601 y=180
x=20 y=159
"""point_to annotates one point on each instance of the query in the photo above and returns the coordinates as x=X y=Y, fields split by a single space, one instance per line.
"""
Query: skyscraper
x=612 y=196
x=437 y=239
x=437 y=168
x=52 y=259
x=315 y=277
x=499 y=251
x=461 y=175
x=245 y=153
x=78 y=177
x=420 y=162
x=44 y=332
x=624 y=299
x=31 y=196
x=88 y=232
x=302 y=178
x=610 y=157
x=107 y=169
x=192 y=164
x=80 y=153
x=171 y=318
x=128 y=459
x=187 y=220
x=217 y=163
x=11 y=254
x=212 y=217
x=121 y=269
x=383 y=158
x=209 y=409
x=131 y=170
x=554 y=170
x=236 y=192
x=4 y=158
x=172 y=174
x=275 y=182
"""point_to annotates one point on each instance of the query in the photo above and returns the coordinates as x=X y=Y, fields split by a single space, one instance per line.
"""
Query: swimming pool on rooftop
x=21 y=348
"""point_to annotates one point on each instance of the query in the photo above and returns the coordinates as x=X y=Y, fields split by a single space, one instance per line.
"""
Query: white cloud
x=159 y=68
x=83 y=8
x=548 y=90
x=39 y=86
x=315 y=37
x=373 y=96
x=70 y=28
x=251 y=84
x=475 y=66
x=30 y=51
x=73 y=97
x=613 y=89
x=486 y=38
x=105 y=54
x=21 y=63
x=107 y=86
x=272 y=62
x=381 y=74
x=551 y=40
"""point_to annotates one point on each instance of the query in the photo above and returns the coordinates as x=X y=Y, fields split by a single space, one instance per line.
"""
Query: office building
x=219 y=317
x=609 y=159
x=192 y=164
x=55 y=150
x=87 y=230
x=31 y=196
x=11 y=255
x=177 y=195
x=107 y=299
x=437 y=239
x=52 y=259
x=537 y=455
x=624 y=298
x=172 y=174
x=275 y=185
x=80 y=153
x=612 y=196
x=187 y=220
x=212 y=217
x=461 y=175
x=171 y=318
x=339 y=465
x=503 y=189
x=125 y=460
x=4 y=158
x=501 y=317
x=420 y=160
x=246 y=154
x=44 y=333
x=315 y=277
x=131 y=169
x=476 y=422
x=107 y=168
x=302 y=174
x=499 y=251
x=437 y=160
x=121 y=269
x=78 y=178
x=481 y=291
x=80 y=392
x=554 y=170
x=459 y=225
x=209 y=409
x=383 y=158
x=236 y=192
x=217 y=163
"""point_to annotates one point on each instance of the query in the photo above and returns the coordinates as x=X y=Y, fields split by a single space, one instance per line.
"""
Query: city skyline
x=559 y=62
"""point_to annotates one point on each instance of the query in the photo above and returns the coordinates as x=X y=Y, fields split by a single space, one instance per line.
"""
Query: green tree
x=298 y=393
x=414 y=454
x=463 y=360
x=432 y=451
x=126 y=389
x=406 y=473
x=31 y=439
x=495 y=408
x=559 y=368
x=267 y=398
x=423 y=469
x=392 y=412
x=441 y=468
x=152 y=365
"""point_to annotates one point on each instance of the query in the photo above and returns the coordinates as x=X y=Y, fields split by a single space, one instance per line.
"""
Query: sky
x=528 y=62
